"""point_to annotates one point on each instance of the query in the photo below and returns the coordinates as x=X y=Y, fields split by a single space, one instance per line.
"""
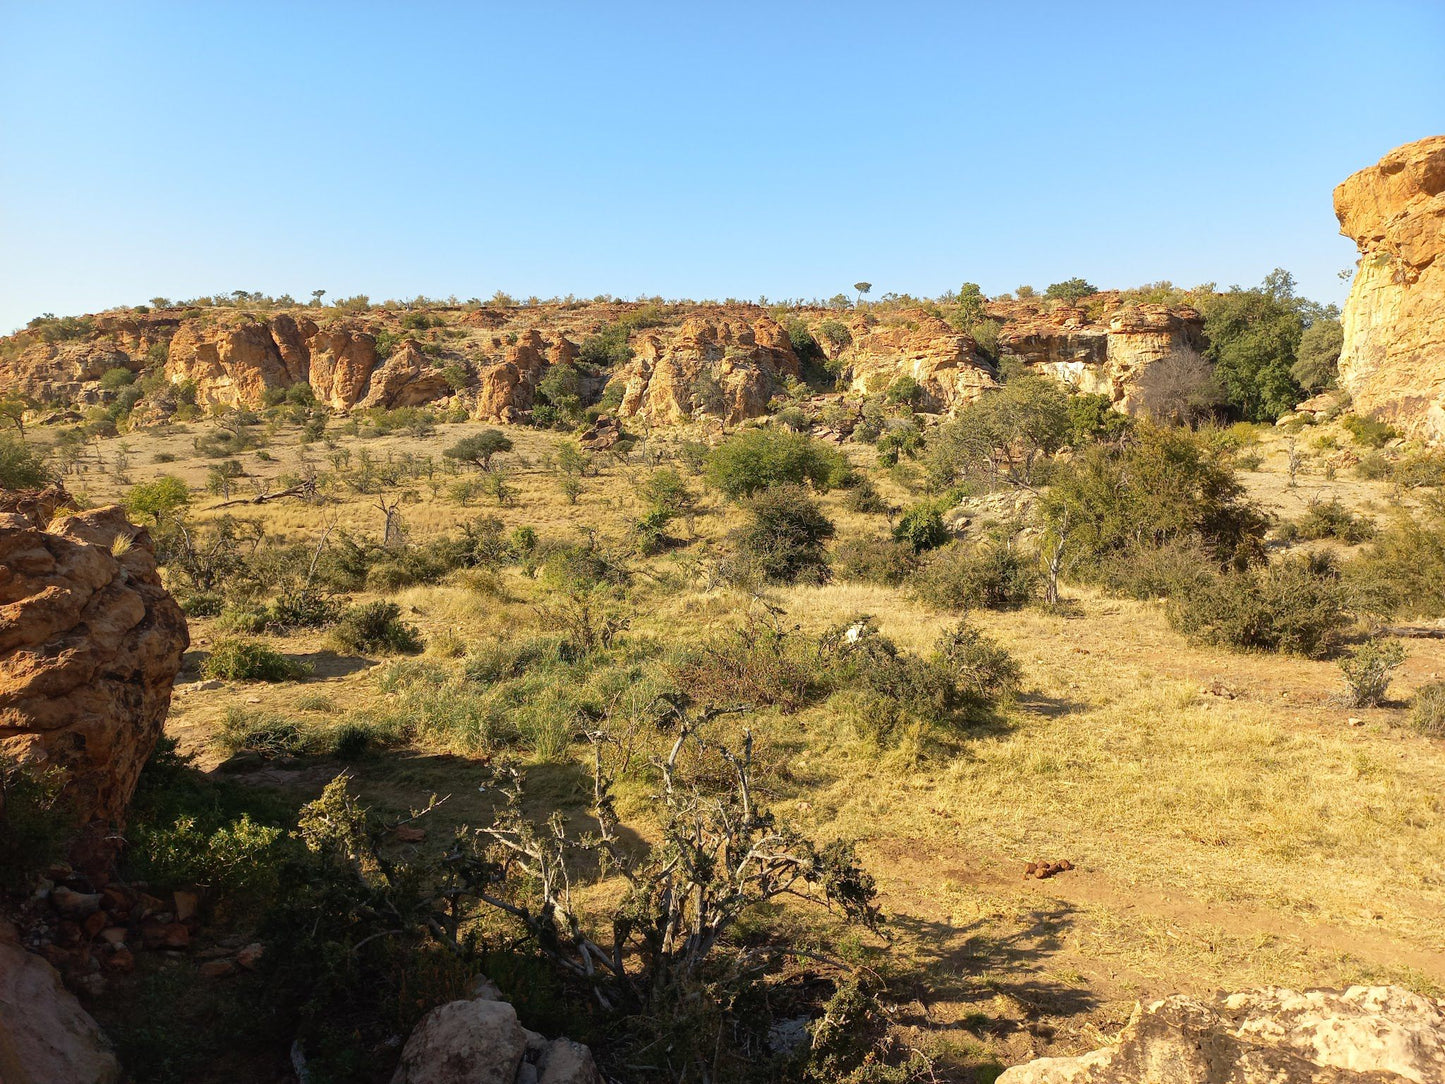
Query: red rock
x=90 y=642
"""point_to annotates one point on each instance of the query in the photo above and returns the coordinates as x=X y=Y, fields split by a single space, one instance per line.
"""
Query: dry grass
x=1229 y=825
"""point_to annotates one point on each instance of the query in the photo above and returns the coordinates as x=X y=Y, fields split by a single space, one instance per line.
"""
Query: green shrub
x=238 y=857
x=875 y=560
x=159 y=498
x=1367 y=671
x=35 y=823
x=376 y=627
x=1150 y=571
x=1331 y=519
x=784 y=536
x=1369 y=432
x=995 y=576
x=1163 y=485
x=248 y=660
x=117 y=378
x=922 y=528
x=269 y=735
x=21 y=467
x=1403 y=571
x=1292 y=605
x=757 y=459
x=1427 y=715
x=865 y=498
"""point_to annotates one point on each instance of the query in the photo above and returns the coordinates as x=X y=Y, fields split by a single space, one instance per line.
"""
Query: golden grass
x=1230 y=826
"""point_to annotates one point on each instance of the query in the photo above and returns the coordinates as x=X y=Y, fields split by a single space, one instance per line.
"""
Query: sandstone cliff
x=1105 y=355
x=946 y=363
x=725 y=368
x=90 y=643
x=1393 y=361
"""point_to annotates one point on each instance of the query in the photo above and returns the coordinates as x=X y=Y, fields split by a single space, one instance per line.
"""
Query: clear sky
x=689 y=150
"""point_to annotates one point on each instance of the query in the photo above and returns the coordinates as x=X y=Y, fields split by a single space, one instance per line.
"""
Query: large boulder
x=45 y=1035
x=1363 y=1035
x=480 y=1041
x=1393 y=360
x=90 y=643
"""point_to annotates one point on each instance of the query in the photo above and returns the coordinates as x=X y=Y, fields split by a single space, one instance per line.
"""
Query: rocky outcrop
x=481 y=1042
x=508 y=388
x=408 y=378
x=90 y=643
x=1104 y=357
x=44 y=1033
x=945 y=362
x=1363 y=1035
x=1393 y=360
x=341 y=362
x=721 y=368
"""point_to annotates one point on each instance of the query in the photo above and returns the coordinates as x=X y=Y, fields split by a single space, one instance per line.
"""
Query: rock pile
x=1363 y=1035
x=1393 y=361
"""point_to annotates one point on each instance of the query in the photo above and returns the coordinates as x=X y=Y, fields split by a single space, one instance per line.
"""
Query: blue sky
x=783 y=149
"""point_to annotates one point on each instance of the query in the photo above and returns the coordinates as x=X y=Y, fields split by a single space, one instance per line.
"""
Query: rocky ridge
x=1393 y=361
x=725 y=362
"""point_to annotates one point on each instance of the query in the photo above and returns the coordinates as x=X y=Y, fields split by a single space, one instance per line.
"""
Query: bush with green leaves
x=1331 y=519
x=21 y=467
x=479 y=448
x=1093 y=418
x=1160 y=486
x=376 y=628
x=784 y=536
x=1367 y=671
x=1427 y=713
x=875 y=560
x=889 y=692
x=1294 y=605
x=160 y=499
x=249 y=660
x=1001 y=438
x=991 y=576
x=1402 y=572
x=922 y=528
x=1369 y=432
x=757 y=459
x=35 y=820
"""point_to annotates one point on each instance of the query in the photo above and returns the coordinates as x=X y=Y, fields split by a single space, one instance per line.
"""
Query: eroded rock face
x=44 y=1033
x=408 y=378
x=724 y=368
x=1393 y=361
x=1363 y=1035
x=1104 y=357
x=945 y=362
x=90 y=643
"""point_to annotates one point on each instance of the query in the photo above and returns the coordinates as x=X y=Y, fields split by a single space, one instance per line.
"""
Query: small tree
x=479 y=448
x=1071 y=290
x=863 y=288
x=12 y=412
x=316 y=296
x=160 y=498
x=21 y=467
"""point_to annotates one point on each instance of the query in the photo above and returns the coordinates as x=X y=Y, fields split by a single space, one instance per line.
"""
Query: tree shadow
x=970 y=966
x=1051 y=707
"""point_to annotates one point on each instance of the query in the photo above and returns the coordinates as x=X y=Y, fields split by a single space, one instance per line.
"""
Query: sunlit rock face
x=1393 y=361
